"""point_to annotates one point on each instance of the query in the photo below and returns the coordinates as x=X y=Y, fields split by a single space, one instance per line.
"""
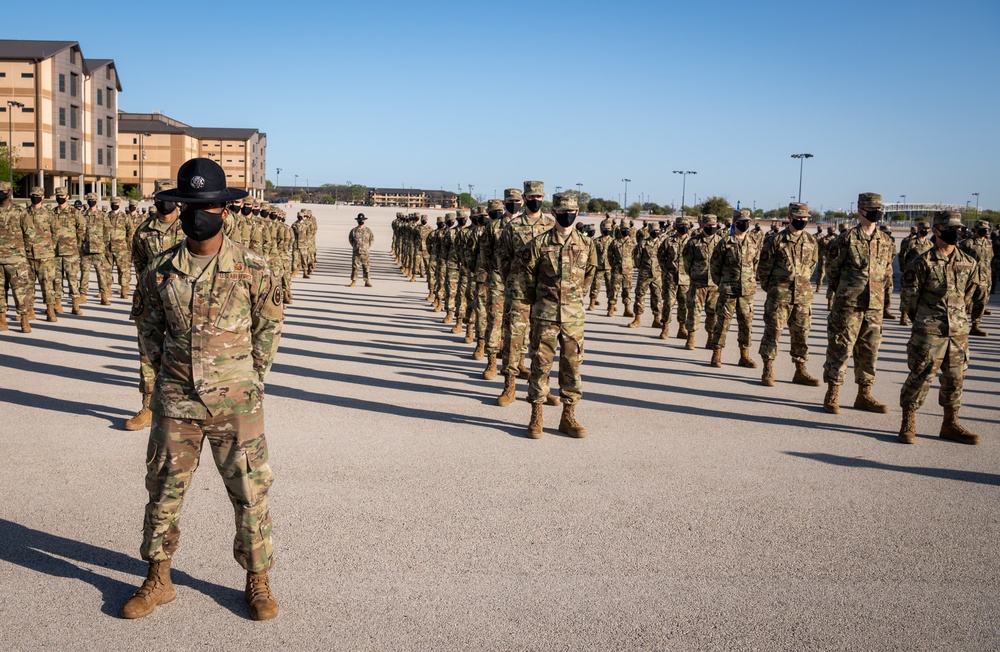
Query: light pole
x=684 y=176
x=278 y=177
x=142 y=158
x=976 y=195
x=558 y=188
x=579 y=191
x=802 y=158
x=296 y=183
x=903 y=197
x=11 y=104
x=626 y=194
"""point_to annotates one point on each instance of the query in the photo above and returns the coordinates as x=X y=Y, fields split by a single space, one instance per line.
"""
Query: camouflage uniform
x=603 y=276
x=460 y=253
x=675 y=277
x=889 y=279
x=16 y=230
x=979 y=248
x=734 y=271
x=703 y=293
x=361 y=239
x=121 y=228
x=860 y=265
x=448 y=269
x=495 y=281
x=433 y=244
x=211 y=333
x=69 y=232
x=621 y=258
x=649 y=279
x=41 y=253
x=94 y=250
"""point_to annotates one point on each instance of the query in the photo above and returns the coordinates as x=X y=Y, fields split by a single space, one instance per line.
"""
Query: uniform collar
x=184 y=263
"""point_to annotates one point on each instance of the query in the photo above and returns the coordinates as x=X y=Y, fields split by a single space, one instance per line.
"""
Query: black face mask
x=246 y=210
x=874 y=216
x=709 y=230
x=949 y=236
x=3 y=197
x=799 y=223
x=199 y=224
x=265 y=214
x=512 y=207
x=565 y=219
x=441 y=225
x=534 y=205
x=35 y=201
x=923 y=233
x=605 y=232
x=680 y=230
x=742 y=226
x=982 y=232
x=61 y=200
x=164 y=207
x=461 y=221
x=496 y=215
x=256 y=212
x=130 y=209
x=91 y=203
x=450 y=223
x=115 y=207
x=422 y=222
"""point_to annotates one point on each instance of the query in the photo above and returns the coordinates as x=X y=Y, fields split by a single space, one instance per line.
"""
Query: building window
x=107 y=74
x=72 y=56
x=135 y=157
x=111 y=155
x=62 y=149
x=100 y=157
x=100 y=97
x=62 y=116
x=100 y=127
x=62 y=83
x=72 y=149
x=27 y=144
x=27 y=75
x=74 y=82
x=3 y=74
x=135 y=141
x=110 y=130
x=111 y=97
x=72 y=116
x=27 y=109
x=135 y=173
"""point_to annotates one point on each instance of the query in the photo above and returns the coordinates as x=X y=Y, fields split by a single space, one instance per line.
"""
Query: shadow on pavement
x=61 y=557
x=945 y=474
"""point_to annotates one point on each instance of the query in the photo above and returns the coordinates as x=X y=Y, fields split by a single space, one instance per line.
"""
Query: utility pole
x=802 y=158
x=683 y=174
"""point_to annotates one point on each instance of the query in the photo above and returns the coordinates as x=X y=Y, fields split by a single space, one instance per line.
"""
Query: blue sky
x=890 y=97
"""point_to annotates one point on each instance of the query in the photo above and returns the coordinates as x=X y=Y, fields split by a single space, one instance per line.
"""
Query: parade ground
x=702 y=512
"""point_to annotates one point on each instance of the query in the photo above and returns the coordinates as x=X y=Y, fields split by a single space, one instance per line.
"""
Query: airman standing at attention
x=95 y=251
x=910 y=250
x=449 y=267
x=889 y=281
x=16 y=231
x=513 y=202
x=822 y=243
x=649 y=278
x=979 y=248
x=559 y=267
x=734 y=271
x=460 y=253
x=41 y=253
x=703 y=293
x=69 y=230
x=484 y=262
x=361 y=239
x=676 y=280
x=121 y=229
x=935 y=287
x=433 y=243
x=860 y=262
x=603 y=276
x=621 y=259
x=786 y=266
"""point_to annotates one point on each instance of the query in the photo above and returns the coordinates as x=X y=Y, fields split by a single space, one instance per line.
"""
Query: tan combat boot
x=430 y=296
x=368 y=284
x=903 y=319
x=597 y=302
x=142 y=418
x=886 y=313
x=829 y=303
x=3 y=323
x=83 y=298
x=437 y=305
x=831 y=402
x=480 y=349
x=767 y=378
x=977 y=331
x=59 y=308
x=77 y=310
x=525 y=372
x=952 y=430
x=31 y=312
x=865 y=402
x=535 y=425
x=689 y=345
x=259 y=597
x=124 y=292
x=908 y=429
x=746 y=360
x=802 y=376
x=657 y=323
x=611 y=311
x=105 y=299
x=25 y=324
x=470 y=333
x=628 y=312
x=664 y=332
x=490 y=372
x=449 y=317
x=682 y=332
x=353 y=282
x=569 y=425
x=552 y=399
x=636 y=323
x=457 y=328
x=716 y=358
x=156 y=590
x=592 y=304
x=50 y=313
x=509 y=390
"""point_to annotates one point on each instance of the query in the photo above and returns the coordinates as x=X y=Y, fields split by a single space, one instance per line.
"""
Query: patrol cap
x=868 y=200
x=449 y=216
x=708 y=219
x=361 y=217
x=4 y=186
x=494 y=205
x=842 y=227
x=947 y=218
x=61 y=191
x=512 y=194
x=133 y=202
x=534 y=188
x=564 y=202
x=922 y=224
x=423 y=216
x=463 y=212
x=982 y=224
x=742 y=214
x=680 y=221
x=90 y=195
x=798 y=209
x=440 y=219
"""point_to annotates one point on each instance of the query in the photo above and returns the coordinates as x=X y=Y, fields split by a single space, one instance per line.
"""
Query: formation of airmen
x=474 y=263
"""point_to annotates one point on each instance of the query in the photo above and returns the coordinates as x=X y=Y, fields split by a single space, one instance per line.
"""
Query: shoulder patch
x=277 y=295
x=138 y=304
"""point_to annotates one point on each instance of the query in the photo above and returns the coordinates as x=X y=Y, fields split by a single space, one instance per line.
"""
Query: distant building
x=152 y=146
x=411 y=198
x=65 y=131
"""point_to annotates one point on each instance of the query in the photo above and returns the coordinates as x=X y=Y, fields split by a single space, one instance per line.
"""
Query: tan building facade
x=61 y=112
x=152 y=146
x=411 y=198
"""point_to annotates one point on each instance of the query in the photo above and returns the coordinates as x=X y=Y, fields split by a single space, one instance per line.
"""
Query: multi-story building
x=412 y=198
x=152 y=146
x=61 y=114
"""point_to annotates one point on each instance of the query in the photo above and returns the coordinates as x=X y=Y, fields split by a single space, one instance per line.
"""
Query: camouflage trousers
x=648 y=282
x=516 y=322
x=494 y=315
x=100 y=263
x=545 y=336
x=67 y=271
x=995 y=274
x=479 y=311
x=442 y=282
x=602 y=277
x=699 y=299
x=462 y=294
x=925 y=354
x=240 y=453
x=726 y=305
x=147 y=377
x=16 y=277
x=674 y=293
x=123 y=264
x=977 y=304
x=450 y=288
x=49 y=280
x=820 y=269
x=852 y=331
x=888 y=290
x=432 y=276
x=799 y=320
x=298 y=260
x=621 y=280
x=424 y=263
x=359 y=263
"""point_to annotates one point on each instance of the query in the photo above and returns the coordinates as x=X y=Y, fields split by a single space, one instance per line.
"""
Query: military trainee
x=208 y=313
x=16 y=231
x=361 y=239
x=980 y=248
x=513 y=203
x=733 y=268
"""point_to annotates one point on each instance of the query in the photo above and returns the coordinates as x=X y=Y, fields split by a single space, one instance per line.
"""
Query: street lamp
x=626 y=193
x=296 y=183
x=976 y=195
x=802 y=158
x=903 y=197
x=278 y=177
x=11 y=104
x=684 y=178
x=579 y=191
x=142 y=157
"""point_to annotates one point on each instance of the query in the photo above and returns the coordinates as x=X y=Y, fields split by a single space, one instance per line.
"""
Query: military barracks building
x=62 y=119
x=412 y=198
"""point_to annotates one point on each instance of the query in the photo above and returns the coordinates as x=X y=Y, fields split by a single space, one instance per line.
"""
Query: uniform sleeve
x=503 y=253
x=147 y=313
x=834 y=260
x=715 y=264
x=912 y=285
x=265 y=322
x=530 y=273
x=591 y=270
x=81 y=229
x=766 y=264
x=27 y=230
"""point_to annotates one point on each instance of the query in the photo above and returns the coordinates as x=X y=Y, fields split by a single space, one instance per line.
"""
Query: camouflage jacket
x=488 y=248
x=424 y=232
x=98 y=234
x=433 y=243
x=980 y=249
x=601 y=245
x=362 y=239
x=153 y=237
x=621 y=255
x=557 y=272
x=787 y=262
x=697 y=255
x=210 y=334
x=671 y=261
x=121 y=228
x=858 y=266
x=16 y=231
x=69 y=231
x=909 y=251
x=734 y=265
x=512 y=250
x=646 y=257
x=458 y=255
x=447 y=247
x=934 y=289
x=42 y=243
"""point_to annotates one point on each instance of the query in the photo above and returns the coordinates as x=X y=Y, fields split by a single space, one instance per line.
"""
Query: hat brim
x=219 y=196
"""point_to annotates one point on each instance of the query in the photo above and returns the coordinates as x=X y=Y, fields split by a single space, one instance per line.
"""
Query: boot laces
x=259 y=587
